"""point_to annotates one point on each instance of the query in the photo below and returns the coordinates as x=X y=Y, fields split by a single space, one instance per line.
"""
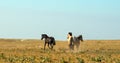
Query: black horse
x=48 y=40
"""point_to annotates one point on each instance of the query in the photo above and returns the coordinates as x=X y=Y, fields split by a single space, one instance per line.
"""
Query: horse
x=48 y=40
x=76 y=41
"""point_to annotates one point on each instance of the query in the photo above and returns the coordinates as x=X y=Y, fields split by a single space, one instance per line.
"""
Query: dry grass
x=31 y=51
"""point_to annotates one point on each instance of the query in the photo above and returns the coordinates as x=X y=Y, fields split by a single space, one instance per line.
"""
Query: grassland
x=31 y=51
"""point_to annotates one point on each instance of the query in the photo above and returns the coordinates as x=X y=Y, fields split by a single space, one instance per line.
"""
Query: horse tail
x=52 y=40
x=54 y=43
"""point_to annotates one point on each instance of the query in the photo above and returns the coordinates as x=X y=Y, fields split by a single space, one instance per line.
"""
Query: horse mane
x=80 y=37
x=45 y=35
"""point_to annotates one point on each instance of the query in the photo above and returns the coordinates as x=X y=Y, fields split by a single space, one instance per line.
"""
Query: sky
x=94 y=19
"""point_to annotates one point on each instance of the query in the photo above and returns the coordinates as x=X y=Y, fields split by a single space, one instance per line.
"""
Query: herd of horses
x=50 y=41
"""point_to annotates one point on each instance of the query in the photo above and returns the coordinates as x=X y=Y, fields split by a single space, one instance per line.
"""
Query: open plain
x=31 y=51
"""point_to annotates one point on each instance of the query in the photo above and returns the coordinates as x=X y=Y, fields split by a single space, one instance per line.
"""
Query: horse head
x=80 y=37
x=44 y=36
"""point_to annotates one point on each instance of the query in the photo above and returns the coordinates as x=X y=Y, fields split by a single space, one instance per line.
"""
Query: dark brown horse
x=48 y=40
x=76 y=41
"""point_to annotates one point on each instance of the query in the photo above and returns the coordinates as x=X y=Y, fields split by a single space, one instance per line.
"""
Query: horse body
x=76 y=41
x=48 y=40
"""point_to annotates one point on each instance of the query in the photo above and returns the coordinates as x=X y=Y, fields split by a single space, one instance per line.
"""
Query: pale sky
x=94 y=19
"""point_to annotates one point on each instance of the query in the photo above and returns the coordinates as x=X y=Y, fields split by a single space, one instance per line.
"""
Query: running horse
x=48 y=40
x=77 y=40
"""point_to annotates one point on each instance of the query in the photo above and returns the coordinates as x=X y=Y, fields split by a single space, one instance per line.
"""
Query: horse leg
x=77 y=47
x=72 y=47
x=48 y=46
x=44 y=45
x=51 y=46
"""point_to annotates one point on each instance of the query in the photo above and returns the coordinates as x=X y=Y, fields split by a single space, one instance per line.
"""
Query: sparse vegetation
x=80 y=60
x=31 y=51
x=97 y=58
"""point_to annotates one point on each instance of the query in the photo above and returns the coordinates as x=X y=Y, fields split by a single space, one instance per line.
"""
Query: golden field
x=31 y=51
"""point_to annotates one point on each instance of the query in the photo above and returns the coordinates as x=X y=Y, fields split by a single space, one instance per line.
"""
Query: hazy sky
x=94 y=19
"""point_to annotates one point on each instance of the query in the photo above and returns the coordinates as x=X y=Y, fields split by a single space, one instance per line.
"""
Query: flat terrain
x=31 y=51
